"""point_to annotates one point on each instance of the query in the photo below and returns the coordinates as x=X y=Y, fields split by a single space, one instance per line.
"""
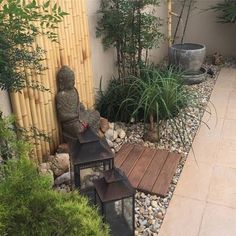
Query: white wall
x=5 y=105
x=158 y=54
x=103 y=62
x=203 y=28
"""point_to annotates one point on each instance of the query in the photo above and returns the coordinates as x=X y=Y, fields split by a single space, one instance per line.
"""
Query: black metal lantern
x=90 y=157
x=115 y=198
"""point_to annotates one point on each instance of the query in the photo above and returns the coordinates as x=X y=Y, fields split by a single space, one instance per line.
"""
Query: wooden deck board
x=130 y=161
x=153 y=171
x=141 y=166
x=164 y=179
x=148 y=170
x=122 y=154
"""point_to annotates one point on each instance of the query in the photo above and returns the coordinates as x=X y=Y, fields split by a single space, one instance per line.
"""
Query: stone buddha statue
x=74 y=118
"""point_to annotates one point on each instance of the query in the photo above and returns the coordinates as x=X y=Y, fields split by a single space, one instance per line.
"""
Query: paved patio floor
x=204 y=202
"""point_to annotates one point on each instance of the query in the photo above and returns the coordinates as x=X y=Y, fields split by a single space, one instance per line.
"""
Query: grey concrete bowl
x=187 y=56
x=195 y=77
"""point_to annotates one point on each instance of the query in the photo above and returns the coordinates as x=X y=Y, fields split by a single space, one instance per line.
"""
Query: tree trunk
x=151 y=120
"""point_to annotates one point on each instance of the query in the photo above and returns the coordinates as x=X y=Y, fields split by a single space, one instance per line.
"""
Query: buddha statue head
x=65 y=78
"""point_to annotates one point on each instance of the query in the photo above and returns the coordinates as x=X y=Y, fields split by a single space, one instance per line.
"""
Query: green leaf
x=31 y=5
x=46 y=4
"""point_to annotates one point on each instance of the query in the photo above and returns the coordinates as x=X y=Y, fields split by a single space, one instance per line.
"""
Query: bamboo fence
x=34 y=108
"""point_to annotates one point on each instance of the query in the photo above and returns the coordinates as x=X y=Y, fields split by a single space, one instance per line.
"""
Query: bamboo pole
x=78 y=46
x=89 y=65
x=32 y=105
x=169 y=5
x=63 y=41
x=51 y=93
x=83 y=55
x=16 y=107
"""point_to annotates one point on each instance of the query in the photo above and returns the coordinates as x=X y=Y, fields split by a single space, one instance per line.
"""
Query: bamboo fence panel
x=34 y=108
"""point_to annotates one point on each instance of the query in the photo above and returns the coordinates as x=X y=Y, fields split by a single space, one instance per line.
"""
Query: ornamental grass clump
x=108 y=101
x=159 y=95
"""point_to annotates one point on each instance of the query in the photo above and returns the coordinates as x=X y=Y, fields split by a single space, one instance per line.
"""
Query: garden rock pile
x=115 y=134
x=57 y=167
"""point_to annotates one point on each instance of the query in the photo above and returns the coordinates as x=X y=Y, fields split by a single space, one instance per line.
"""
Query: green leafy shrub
x=108 y=101
x=226 y=10
x=158 y=95
x=20 y=24
x=132 y=28
x=10 y=144
x=136 y=97
x=28 y=205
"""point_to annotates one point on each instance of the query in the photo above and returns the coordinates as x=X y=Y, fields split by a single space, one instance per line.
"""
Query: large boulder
x=60 y=164
x=44 y=169
x=63 y=179
x=111 y=135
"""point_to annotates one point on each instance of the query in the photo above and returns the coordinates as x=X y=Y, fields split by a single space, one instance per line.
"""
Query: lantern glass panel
x=119 y=215
x=91 y=173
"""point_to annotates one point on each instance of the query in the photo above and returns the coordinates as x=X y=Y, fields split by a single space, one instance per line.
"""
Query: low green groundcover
x=28 y=205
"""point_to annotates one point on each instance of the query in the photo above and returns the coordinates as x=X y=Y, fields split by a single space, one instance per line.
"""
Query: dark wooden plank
x=153 y=171
x=122 y=154
x=164 y=179
x=132 y=158
x=141 y=166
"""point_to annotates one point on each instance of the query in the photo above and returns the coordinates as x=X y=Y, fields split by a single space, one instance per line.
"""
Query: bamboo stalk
x=48 y=99
x=78 y=46
x=63 y=40
x=83 y=77
x=89 y=64
x=16 y=107
x=169 y=4
x=54 y=90
x=33 y=112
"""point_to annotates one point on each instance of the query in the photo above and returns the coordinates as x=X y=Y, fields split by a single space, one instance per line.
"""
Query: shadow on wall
x=203 y=28
x=104 y=61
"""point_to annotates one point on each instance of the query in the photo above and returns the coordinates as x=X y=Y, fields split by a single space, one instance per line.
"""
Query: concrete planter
x=188 y=56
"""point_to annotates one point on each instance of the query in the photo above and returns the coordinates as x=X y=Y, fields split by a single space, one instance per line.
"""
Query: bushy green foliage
x=28 y=206
x=226 y=10
x=158 y=90
x=108 y=102
x=10 y=144
x=20 y=24
x=131 y=29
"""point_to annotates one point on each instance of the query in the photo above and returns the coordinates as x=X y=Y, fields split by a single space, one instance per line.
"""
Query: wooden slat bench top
x=148 y=170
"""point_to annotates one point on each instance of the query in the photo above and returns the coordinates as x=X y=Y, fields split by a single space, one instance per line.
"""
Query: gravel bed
x=150 y=210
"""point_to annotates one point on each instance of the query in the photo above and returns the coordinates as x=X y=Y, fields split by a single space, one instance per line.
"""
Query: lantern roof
x=114 y=186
